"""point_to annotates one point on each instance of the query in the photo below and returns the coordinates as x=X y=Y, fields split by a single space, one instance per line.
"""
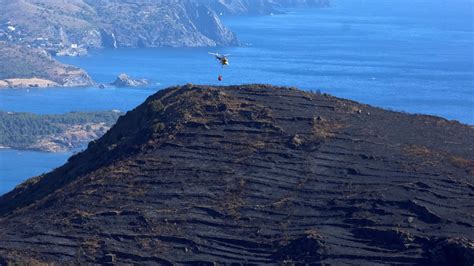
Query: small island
x=53 y=133
x=124 y=80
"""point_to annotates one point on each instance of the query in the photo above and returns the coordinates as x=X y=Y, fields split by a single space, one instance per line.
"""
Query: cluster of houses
x=10 y=33
x=13 y=34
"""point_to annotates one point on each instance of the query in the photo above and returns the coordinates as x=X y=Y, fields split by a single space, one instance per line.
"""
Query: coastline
x=22 y=83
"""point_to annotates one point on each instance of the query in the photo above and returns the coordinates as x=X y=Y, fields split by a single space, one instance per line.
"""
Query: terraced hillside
x=253 y=174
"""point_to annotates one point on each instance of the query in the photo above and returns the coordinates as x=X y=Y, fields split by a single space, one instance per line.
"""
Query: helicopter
x=223 y=59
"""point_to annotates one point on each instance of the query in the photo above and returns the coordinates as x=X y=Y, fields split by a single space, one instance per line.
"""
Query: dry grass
x=432 y=157
x=417 y=150
x=463 y=163
x=325 y=129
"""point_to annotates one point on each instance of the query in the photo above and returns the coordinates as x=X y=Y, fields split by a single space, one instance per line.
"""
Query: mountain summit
x=253 y=174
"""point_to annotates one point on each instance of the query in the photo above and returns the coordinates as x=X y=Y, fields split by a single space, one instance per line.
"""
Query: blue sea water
x=415 y=56
x=16 y=166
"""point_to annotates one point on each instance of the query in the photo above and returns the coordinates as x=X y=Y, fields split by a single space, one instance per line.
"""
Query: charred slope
x=253 y=174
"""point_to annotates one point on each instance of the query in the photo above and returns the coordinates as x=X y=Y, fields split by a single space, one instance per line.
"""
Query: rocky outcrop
x=123 y=80
x=252 y=175
x=22 y=67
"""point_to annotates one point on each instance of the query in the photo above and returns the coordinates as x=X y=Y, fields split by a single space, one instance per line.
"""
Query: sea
x=414 y=56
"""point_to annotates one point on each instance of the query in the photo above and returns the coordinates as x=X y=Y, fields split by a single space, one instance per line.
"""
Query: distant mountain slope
x=253 y=175
x=57 y=25
x=22 y=66
x=258 y=7
x=108 y=23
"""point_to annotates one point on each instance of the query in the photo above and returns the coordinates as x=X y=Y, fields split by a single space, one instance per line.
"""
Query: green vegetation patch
x=22 y=129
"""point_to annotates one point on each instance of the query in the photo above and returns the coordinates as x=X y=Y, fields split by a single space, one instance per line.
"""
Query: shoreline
x=71 y=151
x=25 y=83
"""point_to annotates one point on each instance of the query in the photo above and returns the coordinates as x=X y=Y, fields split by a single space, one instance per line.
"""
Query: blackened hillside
x=253 y=174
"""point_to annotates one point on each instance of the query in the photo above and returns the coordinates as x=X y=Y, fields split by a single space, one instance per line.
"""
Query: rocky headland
x=253 y=175
x=67 y=27
x=25 y=67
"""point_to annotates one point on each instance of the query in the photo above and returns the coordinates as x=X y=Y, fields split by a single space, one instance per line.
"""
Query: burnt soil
x=253 y=174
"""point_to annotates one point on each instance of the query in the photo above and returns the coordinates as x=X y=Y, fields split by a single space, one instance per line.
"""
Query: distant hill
x=22 y=66
x=57 y=25
x=255 y=174
x=53 y=133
